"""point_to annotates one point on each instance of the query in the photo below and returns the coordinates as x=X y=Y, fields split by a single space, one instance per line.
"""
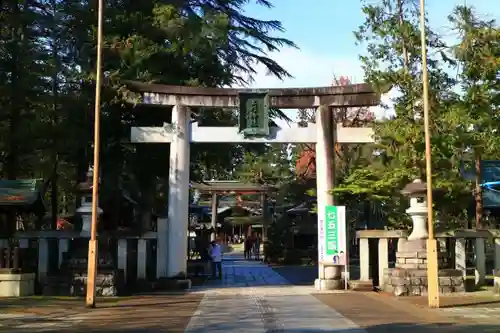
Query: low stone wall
x=108 y=284
x=17 y=284
x=413 y=282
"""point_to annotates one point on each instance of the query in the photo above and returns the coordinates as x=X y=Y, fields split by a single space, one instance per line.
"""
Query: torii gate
x=254 y=105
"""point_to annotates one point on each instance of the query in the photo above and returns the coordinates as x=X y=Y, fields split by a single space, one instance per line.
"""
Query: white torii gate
x=171 y=239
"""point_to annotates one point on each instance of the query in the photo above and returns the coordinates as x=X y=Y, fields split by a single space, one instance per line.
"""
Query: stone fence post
x=383 y=237
x=460 y=238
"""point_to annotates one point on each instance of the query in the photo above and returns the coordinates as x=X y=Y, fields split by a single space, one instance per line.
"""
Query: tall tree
x=391 y=34
x=47 y=76
x=477 y=120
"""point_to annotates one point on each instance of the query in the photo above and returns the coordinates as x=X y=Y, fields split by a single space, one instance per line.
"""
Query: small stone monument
x=496 y=282
x=409 y=277
x=85 y=209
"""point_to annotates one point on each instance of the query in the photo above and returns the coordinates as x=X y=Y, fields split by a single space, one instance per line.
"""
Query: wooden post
x=92 y=254
x=432 y=248
x=215 y=206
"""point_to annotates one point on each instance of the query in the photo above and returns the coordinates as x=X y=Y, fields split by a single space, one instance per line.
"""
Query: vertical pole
x=178 y=193
x=215 y=206
x=265 y=216
x=432 y=259
x=324 y=172
x=92 y=254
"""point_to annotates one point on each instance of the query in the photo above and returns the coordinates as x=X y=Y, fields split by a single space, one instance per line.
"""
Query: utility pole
x=432 y=259
x=92 y=254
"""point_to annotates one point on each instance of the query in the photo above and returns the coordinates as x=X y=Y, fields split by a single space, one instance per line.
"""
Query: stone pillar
x=178 y=193
x=161 y=247
x=496 y=283
x=324 y=183
x=364 y=259
x=43 y=259
x=63 y=248
x=24 y=243
x=461 y=256
x=383 y=259
x=480 y=271
x=122 y=256
x=142 y=258
x=215 y=207
x=497 y=255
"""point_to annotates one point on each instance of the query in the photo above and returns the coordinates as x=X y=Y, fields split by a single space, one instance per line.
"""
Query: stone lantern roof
x=86 y=186
x=417 y=187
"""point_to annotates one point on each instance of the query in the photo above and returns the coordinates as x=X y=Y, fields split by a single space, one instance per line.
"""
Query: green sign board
x=332 y=236
x=254 y=114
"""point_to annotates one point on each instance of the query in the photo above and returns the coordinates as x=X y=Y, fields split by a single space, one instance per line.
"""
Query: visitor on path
x=216 y=255
x=248 y=248
x=256 y=247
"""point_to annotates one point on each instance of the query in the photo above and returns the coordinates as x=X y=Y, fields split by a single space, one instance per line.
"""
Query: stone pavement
x=153 y=313
x=381 y=313
x=253 y=298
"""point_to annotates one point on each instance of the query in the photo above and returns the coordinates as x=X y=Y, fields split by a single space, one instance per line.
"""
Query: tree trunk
x=54 y=196
x=55 y=118
x=478 y=193
x=12 y=161
x=406 y=59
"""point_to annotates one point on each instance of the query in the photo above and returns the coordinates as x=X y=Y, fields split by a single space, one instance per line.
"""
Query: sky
x=324 y=35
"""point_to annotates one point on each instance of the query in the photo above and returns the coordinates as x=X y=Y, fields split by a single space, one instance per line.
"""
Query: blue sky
x=324 y=34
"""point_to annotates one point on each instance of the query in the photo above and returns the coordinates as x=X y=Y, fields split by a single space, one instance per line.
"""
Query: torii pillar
x=178 y=197
x=328 y=277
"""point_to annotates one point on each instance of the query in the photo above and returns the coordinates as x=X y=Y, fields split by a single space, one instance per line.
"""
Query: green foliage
x=279 y=239
x=477 y=56
x=271 y=165
x=460 y=119
x=47 y=76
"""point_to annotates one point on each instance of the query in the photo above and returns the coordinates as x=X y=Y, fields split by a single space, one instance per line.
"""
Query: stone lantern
x=85 y=210
x=417 y=192
x=409 y=276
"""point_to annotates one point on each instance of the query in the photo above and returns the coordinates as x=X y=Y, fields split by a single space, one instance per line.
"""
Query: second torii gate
x=254 y=127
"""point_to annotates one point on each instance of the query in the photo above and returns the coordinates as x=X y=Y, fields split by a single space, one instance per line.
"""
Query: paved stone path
x=473 y=312
x=253 y=298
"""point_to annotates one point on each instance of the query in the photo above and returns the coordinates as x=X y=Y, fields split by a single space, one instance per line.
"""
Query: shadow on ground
x=161 y=327
x=387 y=328
x=139 y=314
x=305 y=275
x=298 y=275
x=61 y=302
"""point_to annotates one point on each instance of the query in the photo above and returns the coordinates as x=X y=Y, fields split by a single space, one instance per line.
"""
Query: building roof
x=22 y=194
x=19 y=192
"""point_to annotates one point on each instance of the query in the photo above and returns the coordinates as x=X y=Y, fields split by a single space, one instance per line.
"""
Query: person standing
x=256 y=247
x=248 y=248
x=216 y=256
